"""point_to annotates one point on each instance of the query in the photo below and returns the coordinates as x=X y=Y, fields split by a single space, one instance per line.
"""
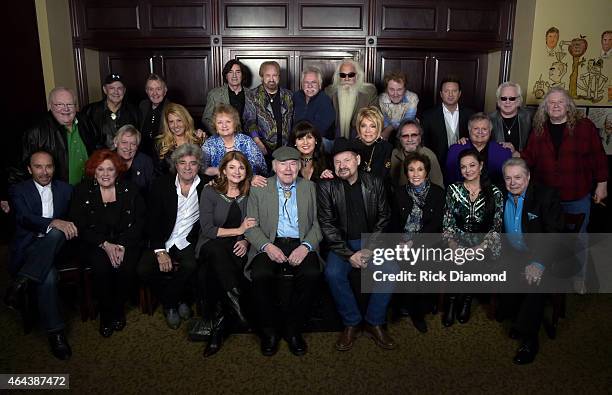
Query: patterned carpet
x=147 y=357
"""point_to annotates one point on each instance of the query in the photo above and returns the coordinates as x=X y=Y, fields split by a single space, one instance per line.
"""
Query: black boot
x=448 y=318
x=217 y=332
x=465 y=312
x=15 y=297
x=232 y=299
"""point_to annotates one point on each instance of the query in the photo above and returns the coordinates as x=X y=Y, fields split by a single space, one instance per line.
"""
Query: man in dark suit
x=529 y=208
x=172 y=226
x=40 y=204
x=283 y=248
x=151 y=112
x=446 y=123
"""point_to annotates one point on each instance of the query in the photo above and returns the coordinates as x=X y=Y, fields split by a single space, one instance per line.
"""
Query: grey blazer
x=524 y=125
x=263 y=206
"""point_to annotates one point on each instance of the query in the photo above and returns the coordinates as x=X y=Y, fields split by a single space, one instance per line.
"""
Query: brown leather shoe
x=347 y=338
x=380 y=336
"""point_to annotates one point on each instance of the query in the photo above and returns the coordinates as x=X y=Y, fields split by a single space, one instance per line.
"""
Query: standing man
x=40 y=203
x=511 y=123
x=410 y=136
x=315 y=106
x=69 y=137
x=349 y=205
x=397 y=103
x=232 y=93
x=274 y=110
x=529 y=208
x=111 y=113
x=349 y=94
x=283 y=248
x=151 y=112
x=173 y=227
x=446 y=123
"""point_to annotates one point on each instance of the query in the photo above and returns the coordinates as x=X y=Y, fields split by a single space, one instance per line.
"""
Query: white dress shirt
x=187 y=214
x=46 y=197
x=452 y=119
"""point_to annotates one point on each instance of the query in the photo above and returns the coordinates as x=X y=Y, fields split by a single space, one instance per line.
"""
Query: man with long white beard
x=349 y=93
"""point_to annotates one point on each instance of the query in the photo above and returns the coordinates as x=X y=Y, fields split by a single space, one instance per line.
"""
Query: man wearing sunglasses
x=349 y=93
x=511 y=123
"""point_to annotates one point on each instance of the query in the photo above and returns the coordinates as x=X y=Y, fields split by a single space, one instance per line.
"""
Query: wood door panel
x=413 y=64
x=134 y=67
x=326 y=61
x=179 y=18
x=471 y=70
x=254 y=58
x=187 y=75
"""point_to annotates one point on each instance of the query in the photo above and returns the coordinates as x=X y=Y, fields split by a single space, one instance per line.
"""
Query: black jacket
x=333 y=219
x=86 y=212
x=161 y=212
x=50 y=135
x=434 y=129
x=433 y=212
x=100 y=115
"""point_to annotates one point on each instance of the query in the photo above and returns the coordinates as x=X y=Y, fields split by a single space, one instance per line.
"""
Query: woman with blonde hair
x=375 y=151
x=176 y=129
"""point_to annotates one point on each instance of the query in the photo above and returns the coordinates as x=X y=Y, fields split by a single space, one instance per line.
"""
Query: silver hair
x=186 y=150
x=358 y=69
x=516 y=162
x=479 y=116
x=58 y=89
x=510 y=84
x=129 y=130
x=316 y=71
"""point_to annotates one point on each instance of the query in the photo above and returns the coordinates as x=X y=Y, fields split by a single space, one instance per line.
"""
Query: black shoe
x=526 y=353
x=106 y=329
x=15 y=297
x=215 y=341
x=465 y=312
x=297 y=345
x=232 y=299
x=59 y=346
x=269 y=344
x=420 y=324
x=448 y=318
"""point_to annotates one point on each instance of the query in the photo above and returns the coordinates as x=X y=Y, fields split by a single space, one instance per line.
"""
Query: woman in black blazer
x=417 y=207
x=109 y=216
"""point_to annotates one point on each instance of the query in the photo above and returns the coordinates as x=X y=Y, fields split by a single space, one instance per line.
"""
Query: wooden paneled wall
x=188 y=41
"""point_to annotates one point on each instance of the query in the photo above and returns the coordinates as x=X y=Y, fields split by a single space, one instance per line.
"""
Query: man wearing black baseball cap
x=112 y=112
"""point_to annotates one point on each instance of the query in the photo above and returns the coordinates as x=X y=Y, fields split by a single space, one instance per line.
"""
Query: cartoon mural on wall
x=587 y=80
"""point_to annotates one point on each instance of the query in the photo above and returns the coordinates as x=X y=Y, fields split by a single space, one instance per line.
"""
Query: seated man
x=529 y=208
x=112 y=112
x=349 y=205
x=283 y=245
x=173 y=226
x=39 y=205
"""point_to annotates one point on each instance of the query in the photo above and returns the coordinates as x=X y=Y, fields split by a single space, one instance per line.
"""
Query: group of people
x=279 y=188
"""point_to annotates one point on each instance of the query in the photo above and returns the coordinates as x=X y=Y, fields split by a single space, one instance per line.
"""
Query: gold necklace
x=368 y=164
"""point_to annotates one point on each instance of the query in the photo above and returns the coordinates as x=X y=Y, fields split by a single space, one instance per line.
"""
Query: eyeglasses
x=410 y=136
x=67 y=106
x=347 y=75
x=505 y=98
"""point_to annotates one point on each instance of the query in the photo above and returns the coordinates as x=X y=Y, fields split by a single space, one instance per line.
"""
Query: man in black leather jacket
x=51 y=134
x=349 y=205
x=112 y=112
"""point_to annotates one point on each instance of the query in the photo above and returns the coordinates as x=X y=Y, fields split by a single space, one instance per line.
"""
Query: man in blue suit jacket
x=39 y=205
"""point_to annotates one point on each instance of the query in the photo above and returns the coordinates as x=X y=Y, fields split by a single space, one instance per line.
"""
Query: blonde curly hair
x=166 y=141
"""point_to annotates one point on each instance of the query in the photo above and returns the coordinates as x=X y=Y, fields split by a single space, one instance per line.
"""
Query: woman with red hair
x=109 y=215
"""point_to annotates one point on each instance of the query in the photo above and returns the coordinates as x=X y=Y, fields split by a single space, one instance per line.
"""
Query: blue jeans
x=337 y=275
x=580 y=206
x=48 y=303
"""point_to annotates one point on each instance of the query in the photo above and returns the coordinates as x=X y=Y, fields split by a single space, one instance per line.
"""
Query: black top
x=108 y=122
x=511 y=131
x=355 y=210
x=237 y=101
x=556 y=134
x=151 y=120
x=234 y=216
x=375 y=158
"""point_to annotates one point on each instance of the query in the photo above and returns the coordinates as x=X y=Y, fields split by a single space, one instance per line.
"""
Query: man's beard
x=347 y=97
